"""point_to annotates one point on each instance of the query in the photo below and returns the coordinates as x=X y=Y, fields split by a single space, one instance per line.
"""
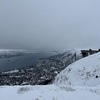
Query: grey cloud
x=49 y=23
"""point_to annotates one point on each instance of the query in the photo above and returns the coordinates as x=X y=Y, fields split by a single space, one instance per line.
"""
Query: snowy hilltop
x=85 y=72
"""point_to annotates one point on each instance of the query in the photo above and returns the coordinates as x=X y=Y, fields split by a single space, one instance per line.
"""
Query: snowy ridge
x=85 y=72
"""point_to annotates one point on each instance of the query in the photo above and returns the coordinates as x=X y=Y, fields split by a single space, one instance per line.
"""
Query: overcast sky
x=49 y=24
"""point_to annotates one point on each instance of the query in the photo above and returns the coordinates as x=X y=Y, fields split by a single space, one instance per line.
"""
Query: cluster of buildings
x=86 y=53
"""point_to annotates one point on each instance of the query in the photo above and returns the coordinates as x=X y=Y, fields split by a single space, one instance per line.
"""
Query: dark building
x=86 y=53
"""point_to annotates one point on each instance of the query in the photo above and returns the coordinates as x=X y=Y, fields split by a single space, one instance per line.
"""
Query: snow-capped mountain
x=8 y=53
x=84 y=72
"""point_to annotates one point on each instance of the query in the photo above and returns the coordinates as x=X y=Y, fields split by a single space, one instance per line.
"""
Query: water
x=21 y=61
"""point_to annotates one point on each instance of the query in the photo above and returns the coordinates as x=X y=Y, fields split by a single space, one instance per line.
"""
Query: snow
x=84 y=72
x=12 y=71
x=49 y=92
x=79 y=81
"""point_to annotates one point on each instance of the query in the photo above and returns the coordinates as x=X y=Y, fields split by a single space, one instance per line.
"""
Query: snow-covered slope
x=85 y=72
x=49 y=92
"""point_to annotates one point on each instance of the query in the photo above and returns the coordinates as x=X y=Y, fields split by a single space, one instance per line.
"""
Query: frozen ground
x=49 y=92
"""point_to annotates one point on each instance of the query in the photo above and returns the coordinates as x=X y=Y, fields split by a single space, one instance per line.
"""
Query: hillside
x=85 y=72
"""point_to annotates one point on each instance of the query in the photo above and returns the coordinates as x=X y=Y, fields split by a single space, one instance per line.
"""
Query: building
x=86 y=53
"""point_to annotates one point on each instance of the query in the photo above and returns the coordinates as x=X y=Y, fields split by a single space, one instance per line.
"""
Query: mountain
x=8 y=53
x=84 y=72
x=41 y=73
x=78 y=81
x=18 y=59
